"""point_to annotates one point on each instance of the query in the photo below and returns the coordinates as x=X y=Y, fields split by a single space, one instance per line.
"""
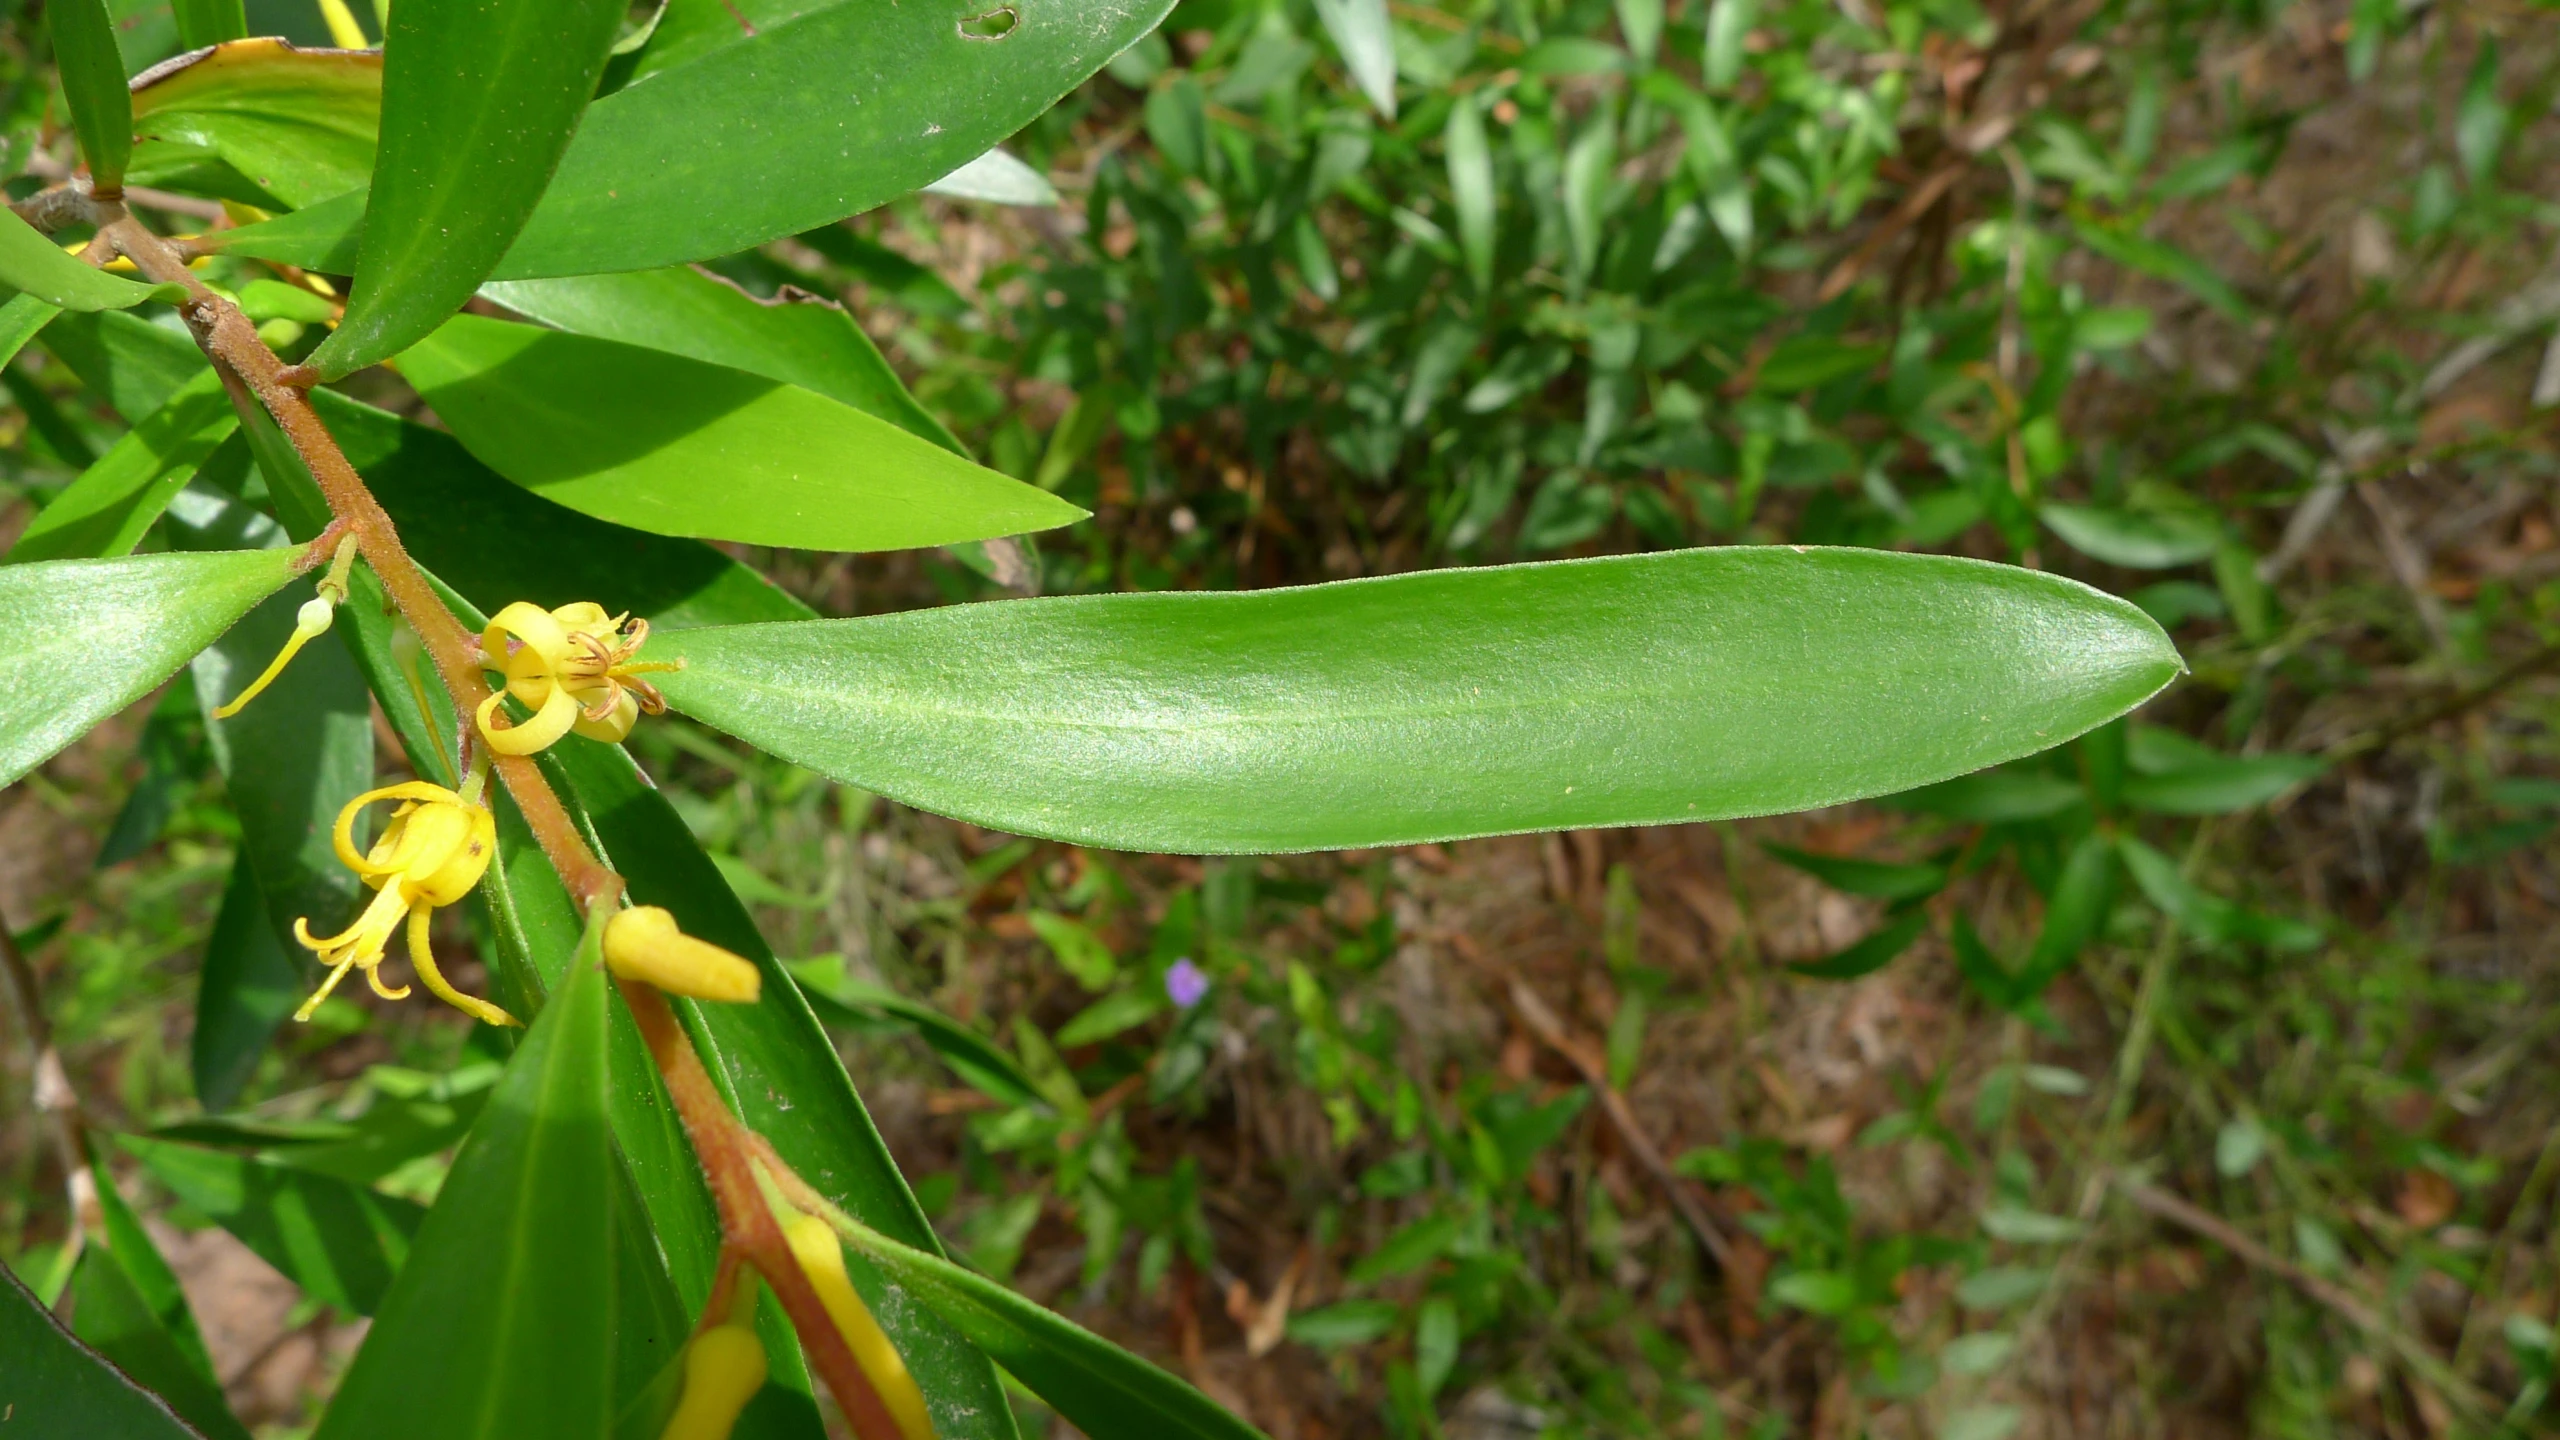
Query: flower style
x=434 y=850
x=573 y=668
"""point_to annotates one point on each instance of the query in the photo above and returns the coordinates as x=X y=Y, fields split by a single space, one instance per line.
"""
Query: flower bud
x=643 y=943
x=821 y=1258
x=724 y=1367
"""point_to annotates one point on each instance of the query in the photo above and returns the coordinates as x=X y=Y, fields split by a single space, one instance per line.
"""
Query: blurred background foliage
x=2196 y=1079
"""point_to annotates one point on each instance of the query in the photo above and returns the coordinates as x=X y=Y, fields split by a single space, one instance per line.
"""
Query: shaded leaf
x=780 y=1070
x=54 y=1385
x=796 y=338
x=2135 y=539
x=267 y=118
x=671 y=445
x=1471 y=193
x=1873 y=878
x=1100 y=1388
x=1869 y=955
x=751 y=135
x=479 y=99
x=494 y=1327
x=999 y=178
x=106 y=511
x=36 y=266
x=82 y=639
x=1367 y=42
x=1647 y=689
x=110 y=1315
x=2209 y=917
x=93 y=85
x=341 y=1243
x=248 y=982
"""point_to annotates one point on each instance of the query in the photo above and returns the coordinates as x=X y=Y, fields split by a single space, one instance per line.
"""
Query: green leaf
x=125 y=360
x=36 y=266
x=1471 y=191
x=780 y=1070
x=2074 y=914
x=2135 y=539
x=1728 y=25
x=82 y=639
x=248 y=982
x=1098 y=1387
x=110 y=1314
x=1588 y=167
x=1640 y=25
x=671 y=445
x=1875 y=879
x=1344 y=1323
x=290 y=761
x=2175 y=776
x=93 y=85
x=1367 y=42
x=155 y=1285
x=999 y=179
x=54 y=1385
x=1113 y=1013
x=2209 y=917
x=1821 y=1292
x=797 y=119
x=500 y=1325
x=1077 y=948
x=340 y=1242
x=980 y=1062
x=259 y=121
x=1646 y=689
x=209 y=22
x=2168 y=262
x=796 y=338
x=1995 y=797
x=479 y=99
x=1409 y=1249
x=105 y=512
x=496 y=543
x=1869 y=955
x=20 y=319
x=2481 y=123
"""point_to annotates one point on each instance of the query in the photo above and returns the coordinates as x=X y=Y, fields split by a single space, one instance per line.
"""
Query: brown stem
x=232 y=342
x=728 y=1151
x=54 y=1097
x=724 y=1147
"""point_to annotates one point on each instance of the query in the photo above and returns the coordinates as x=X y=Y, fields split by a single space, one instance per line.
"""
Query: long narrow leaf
x=479 y=99
x=1651 y=689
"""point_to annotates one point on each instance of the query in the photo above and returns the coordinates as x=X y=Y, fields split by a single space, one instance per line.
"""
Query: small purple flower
x=1185 y=983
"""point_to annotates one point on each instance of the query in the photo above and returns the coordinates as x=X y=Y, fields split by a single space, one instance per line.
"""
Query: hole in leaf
x=993 y=25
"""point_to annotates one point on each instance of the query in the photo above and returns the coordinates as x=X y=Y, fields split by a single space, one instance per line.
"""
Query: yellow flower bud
x=724 y=1367
x=822 y=1260
x=643 y=943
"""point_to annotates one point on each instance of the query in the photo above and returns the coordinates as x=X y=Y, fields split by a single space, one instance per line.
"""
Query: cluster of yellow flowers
x=574 y=669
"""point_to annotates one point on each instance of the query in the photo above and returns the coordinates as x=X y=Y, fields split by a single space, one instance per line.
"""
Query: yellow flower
x=434 y=850
x=643 y=943
x=573 y=668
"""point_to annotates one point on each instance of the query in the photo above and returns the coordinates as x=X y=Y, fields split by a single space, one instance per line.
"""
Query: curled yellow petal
x=559 y=711
x=724 y=1367
x=423 y=960
x=822 y=1260
x=643 y=943
x=309 y=623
